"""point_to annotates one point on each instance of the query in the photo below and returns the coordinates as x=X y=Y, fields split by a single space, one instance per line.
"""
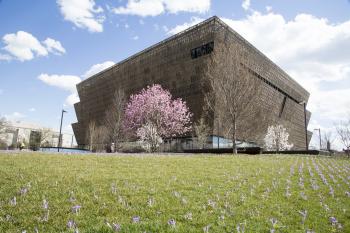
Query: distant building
x=179 y=64
x=18 y=132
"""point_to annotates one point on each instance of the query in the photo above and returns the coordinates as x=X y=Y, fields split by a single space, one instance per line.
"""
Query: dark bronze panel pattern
x=175 y=64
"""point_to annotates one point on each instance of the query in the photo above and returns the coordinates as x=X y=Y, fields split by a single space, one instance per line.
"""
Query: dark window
x=193 y=54
x=202 y=50
x=282 y=107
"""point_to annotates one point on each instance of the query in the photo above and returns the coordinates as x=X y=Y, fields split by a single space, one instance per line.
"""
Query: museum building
x=180 y=63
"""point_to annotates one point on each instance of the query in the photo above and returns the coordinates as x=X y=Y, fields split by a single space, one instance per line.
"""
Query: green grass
x=221 y=192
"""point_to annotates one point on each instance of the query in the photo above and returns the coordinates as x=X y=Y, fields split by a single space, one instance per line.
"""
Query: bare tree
x=202 y=131
x=96 y=136
x=99 y=140
x=327 y=139
x=45 y=135
x=236 y=93
x=91 y=135
x=113 y=118
x=343 y=130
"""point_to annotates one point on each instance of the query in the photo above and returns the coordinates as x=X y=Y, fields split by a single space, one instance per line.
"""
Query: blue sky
x=46 y=47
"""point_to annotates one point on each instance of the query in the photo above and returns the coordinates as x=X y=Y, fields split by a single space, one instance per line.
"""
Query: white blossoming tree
x=149 y=137
x=276 y=138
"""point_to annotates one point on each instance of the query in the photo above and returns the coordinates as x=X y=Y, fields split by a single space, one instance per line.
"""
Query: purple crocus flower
x=13 y=201
x=333 y=220
x=206 y=229
x=76 y=208
x=71 y=224
x=172 y=222
x=116 y=227
x=136 y=219
x=23 y=191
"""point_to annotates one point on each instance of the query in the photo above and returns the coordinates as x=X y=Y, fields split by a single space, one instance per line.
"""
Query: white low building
x=19 y=132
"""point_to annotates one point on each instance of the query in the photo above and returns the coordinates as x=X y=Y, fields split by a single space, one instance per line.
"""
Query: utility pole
x=60 y=135
x=71 y=144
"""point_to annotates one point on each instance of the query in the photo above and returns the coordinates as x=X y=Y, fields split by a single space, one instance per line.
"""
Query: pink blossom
x=153 y=111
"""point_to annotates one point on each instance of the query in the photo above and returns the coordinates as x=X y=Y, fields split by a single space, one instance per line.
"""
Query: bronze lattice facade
x=179 y=64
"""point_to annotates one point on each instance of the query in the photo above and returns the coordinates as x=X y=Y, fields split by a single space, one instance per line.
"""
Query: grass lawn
x=91 y=193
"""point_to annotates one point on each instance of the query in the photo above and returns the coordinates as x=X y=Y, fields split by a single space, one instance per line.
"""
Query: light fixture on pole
x=305 y=126
x=60 y=135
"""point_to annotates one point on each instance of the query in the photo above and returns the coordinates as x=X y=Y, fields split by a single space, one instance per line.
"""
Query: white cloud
x=24 y=46
x=72 y=99
x=5 y=57
x=313 y=51
x=64 y=82
x=246 y=4
x=179 y=28
x=135 y=38
x=83 y=14
x=54 y=46
x=69 y=82
x=126 y=26
x=15 y=116
x=32 y=110
x=97 y=68
x=195 y=6
x=145 y=8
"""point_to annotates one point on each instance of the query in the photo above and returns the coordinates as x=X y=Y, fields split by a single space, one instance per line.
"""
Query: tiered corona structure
x=179 y=64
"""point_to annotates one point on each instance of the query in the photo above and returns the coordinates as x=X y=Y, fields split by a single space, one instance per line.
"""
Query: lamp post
x=60 y=135
x=305 y=126
x=319 y=134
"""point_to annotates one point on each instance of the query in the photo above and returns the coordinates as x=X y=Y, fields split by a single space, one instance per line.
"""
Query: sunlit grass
x=155 y=193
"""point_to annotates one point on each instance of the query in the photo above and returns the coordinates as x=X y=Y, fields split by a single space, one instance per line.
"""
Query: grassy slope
x=220 y=191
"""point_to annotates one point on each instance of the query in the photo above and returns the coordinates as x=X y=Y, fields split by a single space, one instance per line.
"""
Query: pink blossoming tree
x=153 y=115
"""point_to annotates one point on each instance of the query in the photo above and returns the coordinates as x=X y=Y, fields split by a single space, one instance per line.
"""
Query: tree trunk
x=234 y=145
x=115 y=146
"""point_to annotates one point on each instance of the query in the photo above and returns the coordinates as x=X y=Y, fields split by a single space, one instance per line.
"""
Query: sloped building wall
x=281 y=95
